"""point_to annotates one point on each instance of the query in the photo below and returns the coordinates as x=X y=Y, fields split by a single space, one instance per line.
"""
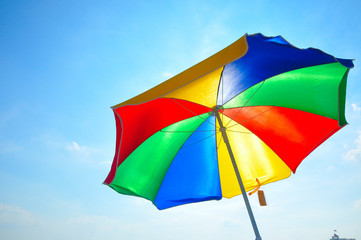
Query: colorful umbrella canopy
x=270 y=102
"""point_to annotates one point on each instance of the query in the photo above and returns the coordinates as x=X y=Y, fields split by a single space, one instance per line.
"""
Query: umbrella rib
x=245 y=103
x=220 y=139
x=205 y=119
x=185 y=131
x=271 y=107
x=196 y=142
x=239 y=131
x=220 y=87
x=222 y=90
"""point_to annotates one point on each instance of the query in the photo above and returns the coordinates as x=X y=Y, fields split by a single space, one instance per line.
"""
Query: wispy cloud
x=54 y=141
x=211 y=33
x=101 y=223
x=105 y=163
x=10 y=114
x=167 y=74
x=331 y=168
x=357 y=204
x=354 y=154
x=81 y=152
x=27 y=224
x=9 y=147
x=74 y=147
x=355 y=107
x=10 y=214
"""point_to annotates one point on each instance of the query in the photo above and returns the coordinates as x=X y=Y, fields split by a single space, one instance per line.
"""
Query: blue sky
x=64 y=63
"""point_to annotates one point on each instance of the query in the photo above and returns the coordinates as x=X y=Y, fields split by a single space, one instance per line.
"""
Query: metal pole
x=244 y=193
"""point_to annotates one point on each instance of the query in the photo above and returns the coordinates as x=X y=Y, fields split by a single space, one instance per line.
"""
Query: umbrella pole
x=240 y=182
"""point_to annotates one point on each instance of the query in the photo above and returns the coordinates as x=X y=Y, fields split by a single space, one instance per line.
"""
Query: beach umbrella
x=244 y=117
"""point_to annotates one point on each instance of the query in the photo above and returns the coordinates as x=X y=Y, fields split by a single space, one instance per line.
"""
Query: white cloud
x=167 y=74
x=331 y=168
x=25 y=224
x=355 y=153
x=11 y=114
x=355 y=107
x=100 y=223
x=74 y=147
x=105 y=163
x=9 y=147
x=15 y=215
x=83 y=153
x=357 y=204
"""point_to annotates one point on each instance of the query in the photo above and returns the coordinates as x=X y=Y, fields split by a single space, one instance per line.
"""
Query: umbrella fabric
x=277 y=102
